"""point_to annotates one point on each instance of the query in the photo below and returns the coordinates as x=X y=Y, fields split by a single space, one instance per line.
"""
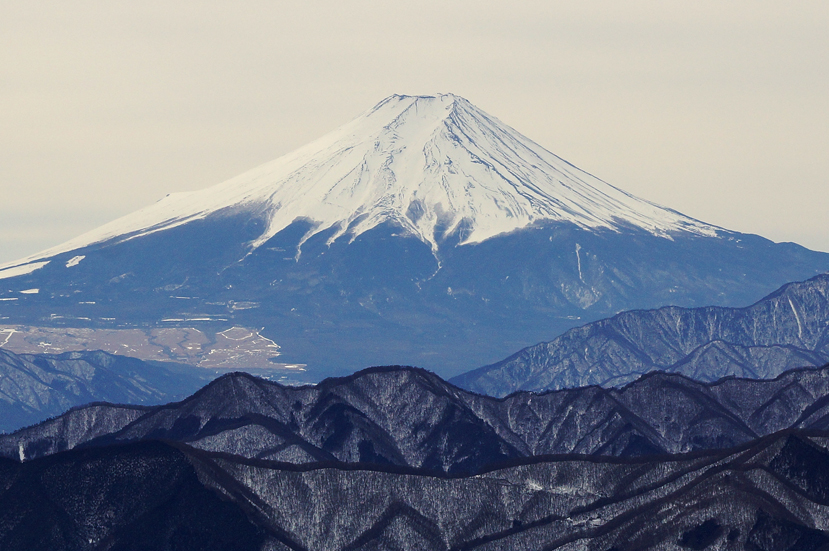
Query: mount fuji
x=424 y=232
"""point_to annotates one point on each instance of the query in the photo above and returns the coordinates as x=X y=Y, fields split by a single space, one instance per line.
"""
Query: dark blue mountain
x=787 y=329
x=425 y=232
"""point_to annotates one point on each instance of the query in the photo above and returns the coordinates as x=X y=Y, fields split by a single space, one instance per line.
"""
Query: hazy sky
x=717 y=109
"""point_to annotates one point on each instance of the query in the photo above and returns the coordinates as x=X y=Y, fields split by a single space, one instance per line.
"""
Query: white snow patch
x=30 y=291
x=22 y=270
x=75 y=260
x=297 y=367
x=797 y=317
x=578 y=260
x=534 y=486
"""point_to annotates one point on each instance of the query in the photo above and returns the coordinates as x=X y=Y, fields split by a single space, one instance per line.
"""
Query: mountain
x=34 y=387
x=143 y=497
x=397 y=459
x=408 y=417
x=424 y=232
x=768 y=495
x=789 y=328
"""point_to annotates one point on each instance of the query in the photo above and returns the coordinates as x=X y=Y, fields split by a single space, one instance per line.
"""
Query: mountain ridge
x=788 y=328
x=411 y=417
x=767 y=494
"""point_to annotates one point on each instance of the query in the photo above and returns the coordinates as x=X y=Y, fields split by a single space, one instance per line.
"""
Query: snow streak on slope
x=22 y=270
x=433 y=165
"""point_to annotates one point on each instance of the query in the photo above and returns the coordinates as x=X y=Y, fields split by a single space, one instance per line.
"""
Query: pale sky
x=717 y=109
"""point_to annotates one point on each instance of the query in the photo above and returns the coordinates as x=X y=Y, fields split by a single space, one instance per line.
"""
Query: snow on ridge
x=423 y=162
x=21 y=269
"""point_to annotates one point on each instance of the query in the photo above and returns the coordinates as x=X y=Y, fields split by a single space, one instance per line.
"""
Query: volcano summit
x=432 y=165
x=423 y=232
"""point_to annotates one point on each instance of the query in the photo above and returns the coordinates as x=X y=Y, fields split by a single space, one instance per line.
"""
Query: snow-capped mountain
x=433 y=165
x=424 y=232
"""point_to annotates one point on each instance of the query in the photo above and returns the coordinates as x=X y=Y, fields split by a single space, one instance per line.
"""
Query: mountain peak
x=433 y=165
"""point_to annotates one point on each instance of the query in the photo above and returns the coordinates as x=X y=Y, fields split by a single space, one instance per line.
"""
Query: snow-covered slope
x=432 y=164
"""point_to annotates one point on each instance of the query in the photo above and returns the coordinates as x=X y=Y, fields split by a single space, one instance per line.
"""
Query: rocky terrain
x=134 y=498
x=398 y=459
x=767 y=495
x=787 y=329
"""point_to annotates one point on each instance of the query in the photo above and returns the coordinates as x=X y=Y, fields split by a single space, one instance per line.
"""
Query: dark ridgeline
x=409 y=417
x=770 y=494
x=784 y=330
x=139 y=497
x=397 y=458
